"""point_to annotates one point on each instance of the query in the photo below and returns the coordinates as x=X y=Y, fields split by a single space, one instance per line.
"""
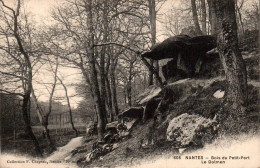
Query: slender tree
x=239 y=14
x=45 y=121
x=113 y=62
x=109 y=99
x=68 y=102
x=212 y=16
x=152 y=17
x=103 y=92
x=93 y=72
x=203 y=17
x=195 y=17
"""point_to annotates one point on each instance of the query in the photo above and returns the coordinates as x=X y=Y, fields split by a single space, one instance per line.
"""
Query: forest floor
x=23 y=142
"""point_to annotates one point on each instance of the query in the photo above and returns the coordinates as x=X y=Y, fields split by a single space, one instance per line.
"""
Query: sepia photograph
x=129 y=83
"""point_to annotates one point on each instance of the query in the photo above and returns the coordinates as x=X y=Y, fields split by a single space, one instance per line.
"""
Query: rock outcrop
x=191 y=113
x=186 y=130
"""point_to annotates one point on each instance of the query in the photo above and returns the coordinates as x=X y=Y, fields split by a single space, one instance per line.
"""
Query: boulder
x=146 y=103
x=91 y=128
x=130 y=124
x=123 y=129
x=110 y=137
x=186 y=130
x=132 y=112
x=111 y=125
x=144 y=94
x=149 y=93
x=115 y=131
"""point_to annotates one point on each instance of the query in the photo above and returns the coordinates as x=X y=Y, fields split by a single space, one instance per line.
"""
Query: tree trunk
x=129 y=85
x=233 y=63
x=93 y=72
x=145 y=81
x=152 y=16
x=44 y=122
x=28 y=88
x=156 y=67
x=129 y=93
x=39 y=111
x=70 y=111
x=195 y=17
x=203 y=17
x=102 y=62
x=46 y=117
x=212 y=16
x=113 y=88
x=47 y=133
x=109 y=99
x=28 y=128
x=150 y=76
x=240 y=17
x=29 y=112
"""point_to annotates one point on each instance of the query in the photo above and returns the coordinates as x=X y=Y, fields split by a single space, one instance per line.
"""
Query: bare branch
x=5 y=91
x=113 y=43
x=20 y=77
x=7 y=7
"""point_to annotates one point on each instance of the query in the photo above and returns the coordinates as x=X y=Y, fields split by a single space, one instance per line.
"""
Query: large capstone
x=188 y=56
